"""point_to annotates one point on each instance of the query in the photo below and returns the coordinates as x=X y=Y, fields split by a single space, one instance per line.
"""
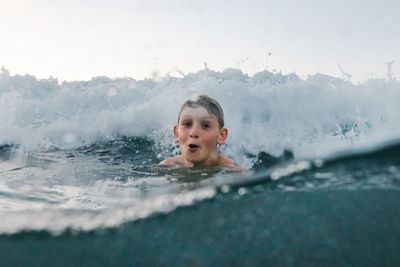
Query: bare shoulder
x=227 y=163
x=171 y=162
x=222 y=160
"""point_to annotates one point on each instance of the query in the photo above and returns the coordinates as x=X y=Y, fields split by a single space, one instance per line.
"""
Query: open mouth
x=193 y=147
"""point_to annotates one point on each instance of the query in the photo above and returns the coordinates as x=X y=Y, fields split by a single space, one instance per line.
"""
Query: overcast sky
x=79 y=39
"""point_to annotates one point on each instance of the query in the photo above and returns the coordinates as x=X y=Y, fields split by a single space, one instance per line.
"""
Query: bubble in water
x=318 y=163
x=303 y=165
x=242 y=191
x=225 y=189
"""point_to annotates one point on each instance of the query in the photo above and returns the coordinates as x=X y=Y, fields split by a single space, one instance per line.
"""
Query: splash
x=267 y=112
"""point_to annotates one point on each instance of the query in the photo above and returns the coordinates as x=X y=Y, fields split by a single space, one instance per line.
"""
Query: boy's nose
x=194 y=132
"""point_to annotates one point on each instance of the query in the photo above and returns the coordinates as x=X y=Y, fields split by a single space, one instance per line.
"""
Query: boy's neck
x=210 y=162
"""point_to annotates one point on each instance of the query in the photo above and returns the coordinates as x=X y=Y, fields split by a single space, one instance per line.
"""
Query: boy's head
x=200 y=129
x=209 y=104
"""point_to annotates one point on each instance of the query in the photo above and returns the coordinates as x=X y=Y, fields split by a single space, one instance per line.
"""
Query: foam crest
x=57 y=221
x=267 y=112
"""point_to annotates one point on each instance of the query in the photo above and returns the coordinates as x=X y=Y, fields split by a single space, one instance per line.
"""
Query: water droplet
x=303 y=165
x=275 y=175
x=318 y=163
x=242 y=191
x=225 y=189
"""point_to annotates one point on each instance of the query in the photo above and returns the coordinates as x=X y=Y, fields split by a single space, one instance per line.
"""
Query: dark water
x=328 y=228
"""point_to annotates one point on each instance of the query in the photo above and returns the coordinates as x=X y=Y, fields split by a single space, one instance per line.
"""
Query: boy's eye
x=206 y=125
x=187 y=124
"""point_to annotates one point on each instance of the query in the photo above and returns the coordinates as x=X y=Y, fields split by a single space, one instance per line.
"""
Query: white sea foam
x=58 y=220
x=265 y=112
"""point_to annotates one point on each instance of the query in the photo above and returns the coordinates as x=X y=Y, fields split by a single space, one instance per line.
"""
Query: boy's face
x=198 y=134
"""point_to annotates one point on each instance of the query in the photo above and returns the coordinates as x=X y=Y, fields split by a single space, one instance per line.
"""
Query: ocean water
x=79 y=180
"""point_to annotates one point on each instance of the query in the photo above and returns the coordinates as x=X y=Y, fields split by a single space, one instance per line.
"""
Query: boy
x=200 y=129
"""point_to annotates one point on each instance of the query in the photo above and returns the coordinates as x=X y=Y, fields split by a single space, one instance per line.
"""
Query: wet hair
x=209 y=104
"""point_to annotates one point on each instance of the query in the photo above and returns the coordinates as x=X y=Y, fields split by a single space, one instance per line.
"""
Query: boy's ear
x=176 y=133
x=223 y=134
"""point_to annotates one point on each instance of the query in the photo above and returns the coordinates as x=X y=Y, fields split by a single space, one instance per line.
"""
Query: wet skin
x=198 y=133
